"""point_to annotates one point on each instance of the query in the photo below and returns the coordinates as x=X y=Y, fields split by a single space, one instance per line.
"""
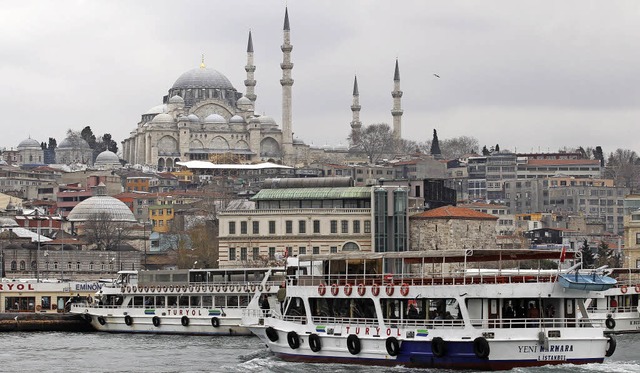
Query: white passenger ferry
x=618 y=310
x=423 y=310
x=196 y=301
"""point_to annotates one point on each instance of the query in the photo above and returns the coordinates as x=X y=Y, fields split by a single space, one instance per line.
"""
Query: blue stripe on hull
x=413 y=354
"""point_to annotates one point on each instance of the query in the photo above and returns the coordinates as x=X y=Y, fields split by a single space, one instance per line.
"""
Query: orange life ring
x=347 y=289
x=404 y=289
x=334 y=289
x=38 y=307
x=322 y=289
x=361 y=289
x=54 y=306
x=638 y=288
x=623 y=289
x=389 y=290
x=375 y=290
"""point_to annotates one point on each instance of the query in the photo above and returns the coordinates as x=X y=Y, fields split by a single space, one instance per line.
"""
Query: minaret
x=250 y=82
x=355 y=107
x=396 y=112
x=286 y=82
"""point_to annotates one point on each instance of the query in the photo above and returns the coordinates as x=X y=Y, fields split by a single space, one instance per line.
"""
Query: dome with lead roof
x=176 y=100
x=74 y=143
x=29 y=144
x=157 y=109
x=107 y=158
x=162 y=119
x=100 y=206
x=243 y=101
x=193 y=118
x=215 y=119
x=202 y=77
x=237 y=119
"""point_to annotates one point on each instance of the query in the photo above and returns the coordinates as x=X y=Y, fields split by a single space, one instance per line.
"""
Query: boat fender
x=438 y=347
x=293 y=340
x=611 y=346
x=334 y=289
x=481 y=347
x=361 y=289
x=86 y=317
x=156 y=321
x=101 y=320
x=623 y=289
x=128 y=320
x=353 y=344
x=375 y=290
x=610 y=322
x=637 y=288
x=184 y=321
x=347 y=289
x=215 y=322
x=314 y=342
x=393 y=346
x=272 y=334
x=389 y=290
x=322 y=289
x=404 y=289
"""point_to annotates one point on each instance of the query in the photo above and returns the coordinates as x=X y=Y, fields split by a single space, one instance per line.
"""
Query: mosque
x=203 y=116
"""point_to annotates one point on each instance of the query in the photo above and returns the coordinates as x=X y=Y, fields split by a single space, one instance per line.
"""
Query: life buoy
x=128 y=320
x=389 y=290
x=610 y=322
x=128 y=289
x=215 y=322
x=146 y=289
x=217 y=288
x=185 y=321
x=293 y=340
x=438 y=347
x=314 y=342
x=190 y=289
x=272 y=334
x=347 y=289
x=361 y=289
x=38 y=307
x=404 y=289
x=198 y=288
x=267 y=287
x=253 y=288
x=101 y=320
x=393 y=346
x=210 y=289
x=54 y=306
x=122 y=289
x=611 y=346
x=481 y=347
x=135 y=289
x=334 y=289
x=184 y=288
x=246 y=289
x=375 y=290
x=164 y=288
x=153 y=289
x=322 y=289
x=260 y=288
x=638 y=288
x=171 y=288
x=156 y=321
x=224 y=288
x=623 y=289
x=353 y=344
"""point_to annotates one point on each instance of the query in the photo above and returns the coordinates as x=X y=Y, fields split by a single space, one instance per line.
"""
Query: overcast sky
x=528 y=75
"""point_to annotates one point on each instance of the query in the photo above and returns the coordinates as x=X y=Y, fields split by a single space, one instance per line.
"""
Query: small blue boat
x=588 y=282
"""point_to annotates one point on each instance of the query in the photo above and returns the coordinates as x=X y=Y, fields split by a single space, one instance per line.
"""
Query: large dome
x=29 y=144
x=92 y=207
x=202 y=77
x=107 y=158
x=75 y=143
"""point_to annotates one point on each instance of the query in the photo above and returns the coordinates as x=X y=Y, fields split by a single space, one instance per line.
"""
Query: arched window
x=91 y=266
x=34 y=265
x=350 y=246
x=23 y=265
x=14 y=265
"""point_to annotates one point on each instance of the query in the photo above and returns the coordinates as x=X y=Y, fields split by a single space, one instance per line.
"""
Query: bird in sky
x=436 y=75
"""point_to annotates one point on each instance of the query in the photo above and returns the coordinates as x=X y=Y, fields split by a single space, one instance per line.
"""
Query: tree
x=105 y=143
x=88 y=136
x=605 y=256
x=102 y=231
x=435 y=146
x=374 y=141
x=588 y=259
x=458 y=146
x=485 y=151
x=52 y=143
x=599 y=155
x=497 y=148
x=623 y=166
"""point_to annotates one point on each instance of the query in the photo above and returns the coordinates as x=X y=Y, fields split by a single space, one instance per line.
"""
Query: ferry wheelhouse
x=618 y=310
x=196 y=301
x=422 y=309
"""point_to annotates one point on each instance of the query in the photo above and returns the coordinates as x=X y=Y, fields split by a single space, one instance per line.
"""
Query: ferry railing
x=618 y=309
x=535 y=323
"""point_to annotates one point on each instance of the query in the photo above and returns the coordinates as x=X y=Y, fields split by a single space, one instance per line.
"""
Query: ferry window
x=342 y=307
x=295 y=307
x=172 y=301
x=316 y=226
x=45 y=302
x=244 y=301
x=138 y=301
x=55 y=265
x=232 y=301
x=220 y=301
x=183 y=301
x=195 y=301
x=207 y=301
x=148 y=301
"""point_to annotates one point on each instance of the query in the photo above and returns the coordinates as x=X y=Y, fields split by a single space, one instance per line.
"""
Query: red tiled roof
x=453 y=212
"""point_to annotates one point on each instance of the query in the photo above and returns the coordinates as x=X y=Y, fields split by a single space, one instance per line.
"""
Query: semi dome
x=215 y=119
x=202 y=77
x=162 y=118
x=193 y=118
x=266 y=120
x=162 y=108
x=29 y=144
x=176 y=100
x=94 y=206
x=107 y=158
x=237 y=119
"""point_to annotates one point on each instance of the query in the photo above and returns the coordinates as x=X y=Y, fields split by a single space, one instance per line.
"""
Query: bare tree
x=623 y=166
x=105 y=233
x=374 y=141
x=458 y=146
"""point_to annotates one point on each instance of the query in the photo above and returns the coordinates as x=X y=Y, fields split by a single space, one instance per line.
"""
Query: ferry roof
x=445 y=256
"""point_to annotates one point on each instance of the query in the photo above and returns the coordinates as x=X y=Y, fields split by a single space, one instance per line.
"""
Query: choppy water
x=100 y=352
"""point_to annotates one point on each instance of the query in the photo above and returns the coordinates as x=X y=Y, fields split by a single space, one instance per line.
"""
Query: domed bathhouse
x=107 y=160
x=72 y=150
x=30 y=152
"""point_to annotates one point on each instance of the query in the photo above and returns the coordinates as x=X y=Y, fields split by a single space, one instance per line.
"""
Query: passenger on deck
x=533 y=313
x=413 y=312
